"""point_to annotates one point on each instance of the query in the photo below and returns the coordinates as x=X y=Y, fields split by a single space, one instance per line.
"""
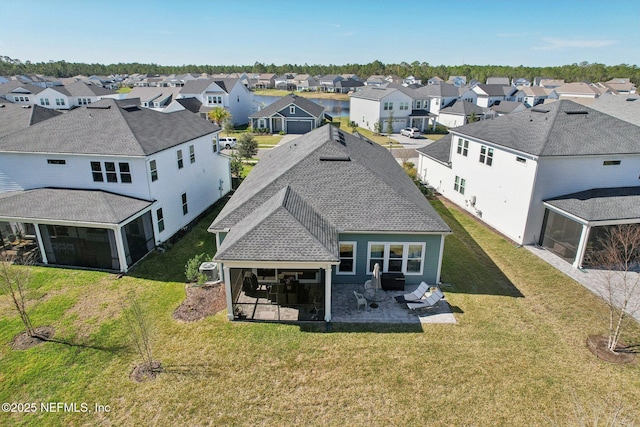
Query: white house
x=373 y=105
x=520 y=173
x=125 y=178
x=74 y=95
x=230 y=94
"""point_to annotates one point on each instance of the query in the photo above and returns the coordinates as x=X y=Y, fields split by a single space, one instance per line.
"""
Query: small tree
x=618 y=255
x=192 y=268
x=219 y=115
x=228 y=127
x=390 y=124
x=353 y=126
x=247 y=146
x=14 y=281
x=377 y=127
x=236 y=166
x=472 y=118
x=139 y=330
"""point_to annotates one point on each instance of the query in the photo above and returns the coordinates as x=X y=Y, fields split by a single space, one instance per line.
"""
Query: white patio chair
x=422 y=289
x=362 y=301
x=427 y=301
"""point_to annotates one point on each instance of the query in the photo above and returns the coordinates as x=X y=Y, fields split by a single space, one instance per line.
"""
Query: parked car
x=410 y=132
x=227 y=142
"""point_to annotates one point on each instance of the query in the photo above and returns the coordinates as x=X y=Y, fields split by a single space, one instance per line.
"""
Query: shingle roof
x=562 y=128
x=463 y=108
x=198 y=86
x=439 y=150
x=55 y=204
x=83 y=89
x=191 y=104
x=373 y=93
x=14 y=117
x=150 y=93
x=309 y=235
x=495 y=90
x=12 y=85
x=624 y=107
x=601 y=204
x=106 y=128
x=442 y=90
x=353 y=183
x=291 y=99
x=506 y=107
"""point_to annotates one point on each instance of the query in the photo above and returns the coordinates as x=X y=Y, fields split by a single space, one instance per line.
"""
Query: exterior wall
x=558 y=176
x=430 y=264
x=199 y=180
x=451 y=120
x=435 y=174
x=51 y=95
x=501 y=191
x=365 y=112
x=240 y=104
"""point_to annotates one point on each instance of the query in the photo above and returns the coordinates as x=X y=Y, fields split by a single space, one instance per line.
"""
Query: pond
x=333 y=107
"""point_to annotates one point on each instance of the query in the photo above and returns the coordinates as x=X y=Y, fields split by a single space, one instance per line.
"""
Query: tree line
x=584 y=71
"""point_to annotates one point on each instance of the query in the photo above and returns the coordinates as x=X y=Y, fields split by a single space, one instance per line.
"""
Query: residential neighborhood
x=338 y=213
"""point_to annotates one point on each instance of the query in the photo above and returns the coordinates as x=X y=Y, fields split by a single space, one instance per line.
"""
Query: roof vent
x=130 y=107
x=539 y=110
x=335 y=158
x=576 y=112
x=632 y=99
x=98 y=107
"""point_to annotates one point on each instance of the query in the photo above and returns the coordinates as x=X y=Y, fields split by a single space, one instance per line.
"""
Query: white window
x=388 y=106
x=180 y=162
x=60 y=101
x=486 y=155
x=160 y=217
x=401 y=257
x=347 y=258
x=404 y=106
x=459 y=184
x=154 y=170
x=185 y=206
x=418 y=104
x=463 y=147
x=292 y=109
x=125 y=172
x=44 y=101
x=214 y=100
x=192 y=154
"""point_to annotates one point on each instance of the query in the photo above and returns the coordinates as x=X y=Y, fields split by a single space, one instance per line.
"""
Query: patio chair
x=427 y=301
x=362 y=301
x=368 y=285
x=422 y=289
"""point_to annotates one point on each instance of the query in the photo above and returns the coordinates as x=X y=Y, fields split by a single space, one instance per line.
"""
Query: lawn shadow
x=466 y=267
x=377 y=327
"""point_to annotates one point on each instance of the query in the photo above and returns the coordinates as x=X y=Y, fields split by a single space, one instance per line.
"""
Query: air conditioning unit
x=211 y=270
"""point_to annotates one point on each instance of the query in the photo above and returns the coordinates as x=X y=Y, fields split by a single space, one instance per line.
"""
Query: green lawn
x=281 y=93
x=516 y=356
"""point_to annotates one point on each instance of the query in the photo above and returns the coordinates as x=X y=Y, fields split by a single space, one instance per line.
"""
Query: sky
x=242 y=32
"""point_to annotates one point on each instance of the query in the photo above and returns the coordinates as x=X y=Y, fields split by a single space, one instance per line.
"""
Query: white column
x=582 y=246
x=43 y=253
x=327 y=293
x=120 y=245
x=440 y=259
x=227 y=288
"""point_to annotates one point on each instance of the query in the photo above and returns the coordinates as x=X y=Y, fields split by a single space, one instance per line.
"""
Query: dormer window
x=292 y=109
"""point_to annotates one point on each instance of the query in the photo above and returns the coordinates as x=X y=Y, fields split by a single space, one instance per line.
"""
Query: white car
x=227 y=142
x=410 y=132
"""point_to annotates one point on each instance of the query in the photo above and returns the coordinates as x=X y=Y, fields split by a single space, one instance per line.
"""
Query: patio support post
x=227 y=287
x=327 y=293
x=582 y=246
x=43 y=253
x=120 y=245
x=440 y=258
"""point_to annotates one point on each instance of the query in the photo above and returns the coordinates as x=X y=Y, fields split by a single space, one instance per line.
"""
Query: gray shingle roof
x=83 y=89
x=307 y=105
x=464 y=108
x=562 y=128
x=12 y=85
x=601 y=204
x=13 y=117
x=624 y=107
x=198 y=86
x=439 y=150
x=106 y=128
x=372 y=93
x=309 y=236
x=54 y=204
x=353 y=183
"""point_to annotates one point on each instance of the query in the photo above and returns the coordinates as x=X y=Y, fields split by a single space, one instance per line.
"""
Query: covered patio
x=574 y=223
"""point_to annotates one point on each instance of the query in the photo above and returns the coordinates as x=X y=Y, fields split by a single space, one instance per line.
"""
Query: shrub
x=282 y=132
x=192 y=268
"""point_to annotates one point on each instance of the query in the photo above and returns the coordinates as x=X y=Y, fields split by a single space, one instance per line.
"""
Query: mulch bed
x=201 y=301
x=597 y=344
x=23 y=341
x=144 y=372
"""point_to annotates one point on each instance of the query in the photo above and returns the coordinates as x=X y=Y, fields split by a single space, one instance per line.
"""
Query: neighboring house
x=14 y=118
x=457 y=81
x=515 y=82
x=624 y=107
x=534 y=95
x=230 y=94
x=156 y=98
x=504 y=81
x=461 y=113
x=191 y=104
x=285 y=82
x=411 y=80
x=373 y=105
x=507 y=107
x=348 y=85
x=74 y=95
x=317 y=214
x=305 y=83
x=19 y=92
x=577 y=90
x=328 y=83
x=622 y=86
x=435 y=80
x=102 y=185
x=518 y=173
x=291 y=114
x=266 y=81
x=489 y=94
x=376 y=80
x=548 y=83
x=435 y=97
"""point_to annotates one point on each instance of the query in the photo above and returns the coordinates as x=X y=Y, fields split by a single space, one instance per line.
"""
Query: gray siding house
x=317 y=214
x=291 y=114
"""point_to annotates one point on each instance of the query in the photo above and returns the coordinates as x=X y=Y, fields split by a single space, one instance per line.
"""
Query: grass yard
x=321 y=95
x=517 y=355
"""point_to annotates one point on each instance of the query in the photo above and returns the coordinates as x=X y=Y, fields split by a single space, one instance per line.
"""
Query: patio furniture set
x=424 y=296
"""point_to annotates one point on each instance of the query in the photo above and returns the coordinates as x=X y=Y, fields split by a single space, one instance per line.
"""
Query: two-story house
x=230 y=94
x=291 y=114
x=102 y=185
x=552 y=175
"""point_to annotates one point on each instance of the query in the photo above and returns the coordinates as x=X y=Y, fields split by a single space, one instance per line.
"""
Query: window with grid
x=399 y=257
x=125 y=172
x=192 y=154
x=154 y=170
x=347 y=258
x=459 y=184
x=463 y=147
x=180 y=162
x=185 y=207
x=486 y=155
x=96 y=171
x=110 y=169
x=160 y=217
